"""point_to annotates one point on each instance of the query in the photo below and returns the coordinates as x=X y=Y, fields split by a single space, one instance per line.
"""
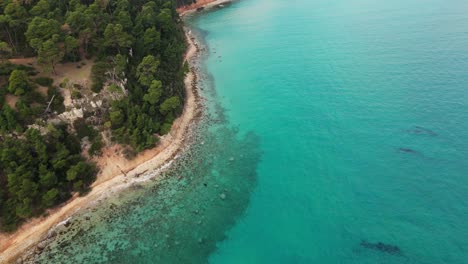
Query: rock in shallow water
x=51 y=234
x=41 y=245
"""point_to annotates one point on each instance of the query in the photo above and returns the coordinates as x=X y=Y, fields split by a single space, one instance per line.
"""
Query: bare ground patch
x=11 y=100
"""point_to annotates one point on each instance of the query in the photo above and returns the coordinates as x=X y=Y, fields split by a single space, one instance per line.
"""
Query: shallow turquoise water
x=330 y=122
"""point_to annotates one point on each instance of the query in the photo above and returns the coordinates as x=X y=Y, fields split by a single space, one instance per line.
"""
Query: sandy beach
x=116 y=173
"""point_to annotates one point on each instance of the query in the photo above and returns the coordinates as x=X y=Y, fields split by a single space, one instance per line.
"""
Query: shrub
x=64 y=83
x=84 y=130
x=96 y=147
x=114 y=88
x=57 y=103
x=7 y=67
x=76 y=94
x=98 y=76
x=166 y=127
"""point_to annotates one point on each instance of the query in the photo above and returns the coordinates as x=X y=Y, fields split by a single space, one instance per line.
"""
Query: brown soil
x=11 y=100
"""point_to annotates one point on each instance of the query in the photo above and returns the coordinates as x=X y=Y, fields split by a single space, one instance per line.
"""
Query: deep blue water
x=329 y=123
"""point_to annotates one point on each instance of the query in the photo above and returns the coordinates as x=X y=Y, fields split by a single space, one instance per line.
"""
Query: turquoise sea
x=328 y=123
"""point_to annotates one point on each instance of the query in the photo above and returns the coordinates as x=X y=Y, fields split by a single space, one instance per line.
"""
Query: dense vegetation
x=136 y=45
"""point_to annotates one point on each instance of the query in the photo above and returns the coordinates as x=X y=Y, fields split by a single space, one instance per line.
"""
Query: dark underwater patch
x=418 y=130
x=408 y=150
x=382 y=247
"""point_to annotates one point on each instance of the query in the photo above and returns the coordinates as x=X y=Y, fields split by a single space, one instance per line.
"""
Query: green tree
x=154 y=92
x=147 y=69
x=49 y=55
x=41 y=30
x=95 y=18
x=47 y=179
x=24 y=208
x=4 y=23
x=28 y=187
x=76 y=170
x=15 y=15
x=49 y=198
x=5 y=51
x=165 y=19
x=96 y=147
x=151 y=40
x=80 y=174
x=123 y=18
x=169 y=105
x=147 y=16
x=119 y=66
x=76 y=19
x=71 y=46
x=18 y=82
x=117 y=118
x=116 y=37
x=122 y=5
x=98 y=75
x=41 y=9
x=8 y=120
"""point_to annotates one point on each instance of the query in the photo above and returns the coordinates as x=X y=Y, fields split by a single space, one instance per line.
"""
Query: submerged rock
x=418 y=130
x=41 y=245
x=379 y=246
x=51 y=234
x=407 y=150
x=222 y=196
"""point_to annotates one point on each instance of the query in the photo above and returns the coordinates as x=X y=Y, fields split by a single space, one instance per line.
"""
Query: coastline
x=204 y=4
x=112 y=177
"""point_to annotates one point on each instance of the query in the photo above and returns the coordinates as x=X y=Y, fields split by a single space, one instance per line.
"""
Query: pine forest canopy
x=134 y=45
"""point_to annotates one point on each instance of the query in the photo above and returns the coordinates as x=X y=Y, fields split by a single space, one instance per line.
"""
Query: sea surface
x=330 y=126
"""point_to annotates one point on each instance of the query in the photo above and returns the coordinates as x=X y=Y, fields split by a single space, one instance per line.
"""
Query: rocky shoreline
x=202 y=5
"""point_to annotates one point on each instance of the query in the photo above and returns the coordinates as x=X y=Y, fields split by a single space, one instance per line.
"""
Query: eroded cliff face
x=201 y=5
